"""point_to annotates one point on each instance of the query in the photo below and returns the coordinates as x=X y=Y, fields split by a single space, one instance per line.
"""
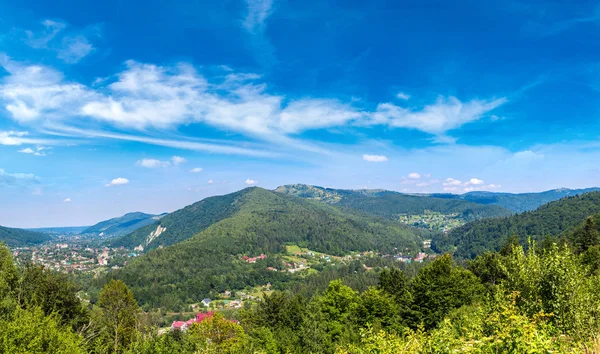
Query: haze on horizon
x=114 y=108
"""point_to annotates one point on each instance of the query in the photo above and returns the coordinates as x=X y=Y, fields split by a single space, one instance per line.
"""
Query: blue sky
x=119 y=106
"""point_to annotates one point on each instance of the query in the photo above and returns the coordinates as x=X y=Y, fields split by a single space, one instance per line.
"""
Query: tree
x=588 y=236
x=217 y=335
x=9 y=278
x=441 y=287
x=117 y=317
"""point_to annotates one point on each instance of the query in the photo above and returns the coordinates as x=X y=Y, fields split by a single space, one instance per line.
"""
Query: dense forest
x=517 y=202
x=390 y=205
x=263 y=223
x=542 y=299
x=122 y=225
x=550 y=220
x=19 y=237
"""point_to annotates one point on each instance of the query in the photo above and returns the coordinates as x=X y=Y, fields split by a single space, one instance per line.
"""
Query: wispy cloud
x=258 y=11
x=375 y=158
x=38 y=151
x=17 y=179
x=178 y=160
x=147 y=96
x=70 y=47
x=152 y=163
x=68 y=200
x=196 y=170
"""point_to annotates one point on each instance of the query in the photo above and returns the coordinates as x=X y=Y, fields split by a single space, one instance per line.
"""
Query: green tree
x=588 y=236
x=9 y=278
x=117 y=317
x=217 y=335
x=441 y=287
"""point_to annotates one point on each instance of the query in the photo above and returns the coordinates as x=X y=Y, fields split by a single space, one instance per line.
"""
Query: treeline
x=551 y=220
x=545 y=299
x=210 y=262
x=20 y=237
x=390 y=205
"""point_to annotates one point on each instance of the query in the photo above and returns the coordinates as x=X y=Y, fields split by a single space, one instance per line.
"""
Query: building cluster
x=199 y=318
x=253 y=259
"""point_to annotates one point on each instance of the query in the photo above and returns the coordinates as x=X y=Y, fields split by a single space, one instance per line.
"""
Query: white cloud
x=178 y=160
x=438 y=118
x=414 y=175
x=475 y=182
x=145 y=96
x=403 y=96
x=452 y=182
x=251 y=182
x=27 y=151
x=13 y=138
x=152 y=163
x=375 y=158
x=42 y=38
x=119 y=181
x=68 y=200
x=197 y=170
x=258 y=11
x=210 y=181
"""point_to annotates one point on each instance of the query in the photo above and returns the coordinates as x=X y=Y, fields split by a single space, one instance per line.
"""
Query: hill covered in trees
x=517 y=202
x=391 y=205
x=19 y=237
x=551 y=220
x=254 y=221
x=122 y=225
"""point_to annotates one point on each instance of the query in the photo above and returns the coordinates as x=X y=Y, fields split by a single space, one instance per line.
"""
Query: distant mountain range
x=122 y=225
x=554 y=219
x=209 y=238
x=19 y=237
x=517 y=202
x=391 y=205
x=60 y=230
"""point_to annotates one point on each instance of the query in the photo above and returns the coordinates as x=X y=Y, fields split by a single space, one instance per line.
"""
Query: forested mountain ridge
x=19 y=237
x=263 y=222
x=181 y=224
x=390 y=205
x=552 y=219
x=122 y=225
x=517 y=202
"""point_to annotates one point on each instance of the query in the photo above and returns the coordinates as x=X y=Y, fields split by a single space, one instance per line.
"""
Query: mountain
x=73 y=230
x=182 y=224
x=391 y=205
x=122 y=225
x=19 y=237
x=257 y=221
x=552 y=219
x=517 y=202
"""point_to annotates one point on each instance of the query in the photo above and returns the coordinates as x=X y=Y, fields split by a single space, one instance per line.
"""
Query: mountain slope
x=122 y=225
x=517 y=202
x=552 y=219
x=19 y=237
x=263 y=222
x=181 y=224
x=390 y=204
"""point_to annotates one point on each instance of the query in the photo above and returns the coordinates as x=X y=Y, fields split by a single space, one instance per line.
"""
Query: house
x=427 y=244
x=139 y=248
x=179 y=326
x=420 y=257
x=206 y=302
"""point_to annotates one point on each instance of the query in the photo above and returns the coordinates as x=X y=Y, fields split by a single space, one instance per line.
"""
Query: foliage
x=265 y=222
x=20 y=238
x=390 y=205
x=116 y=319
x=553 y=219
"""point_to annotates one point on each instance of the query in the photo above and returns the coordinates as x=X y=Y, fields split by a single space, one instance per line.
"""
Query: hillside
x=122 y=225
x=66 y=230
x=181 y=224
x=517 y=202
x=552 y=219
x=259 y=221
x=19 y=237
x=391 y=205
